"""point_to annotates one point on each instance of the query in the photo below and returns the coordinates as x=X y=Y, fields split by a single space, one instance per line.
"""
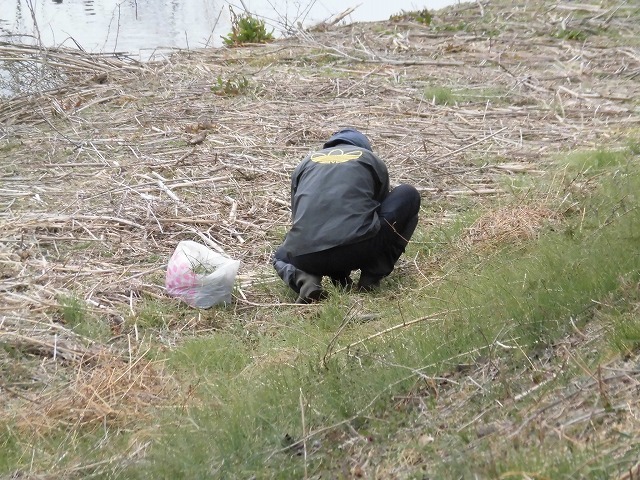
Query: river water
x=145 y=28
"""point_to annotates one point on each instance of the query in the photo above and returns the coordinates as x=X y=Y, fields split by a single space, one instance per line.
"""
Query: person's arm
x=295 y=177
x=382 y=178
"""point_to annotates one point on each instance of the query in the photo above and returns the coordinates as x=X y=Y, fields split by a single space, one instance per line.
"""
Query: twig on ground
x=430 y=318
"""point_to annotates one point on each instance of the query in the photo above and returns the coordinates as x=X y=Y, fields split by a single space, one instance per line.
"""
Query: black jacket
x=335 y=196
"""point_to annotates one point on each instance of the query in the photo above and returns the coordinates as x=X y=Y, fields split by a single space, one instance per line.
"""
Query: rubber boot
x=345 y=283
x=310 y=287
x=368 y=284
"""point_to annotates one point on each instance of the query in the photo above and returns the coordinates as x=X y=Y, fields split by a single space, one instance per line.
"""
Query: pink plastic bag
x=199 y=276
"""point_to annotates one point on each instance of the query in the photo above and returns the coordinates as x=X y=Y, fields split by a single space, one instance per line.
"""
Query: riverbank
x=108 y=163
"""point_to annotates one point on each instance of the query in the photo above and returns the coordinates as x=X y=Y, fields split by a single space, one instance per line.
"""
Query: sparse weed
x=246 y=29
x=73 y=309
x=621 y=316
x=625 y=334
x=440 y=95
x=76 y=316
x=484 y=30
x=596 y=160
x=451 y=27
x=419 y=16
x=156 y=313
x=571 y=34
x=232 y=86
x=633 y=147
x=211 y=357
x=7 y=146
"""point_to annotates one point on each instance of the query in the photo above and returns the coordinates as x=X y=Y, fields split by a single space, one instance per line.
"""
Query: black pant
x=375 y=257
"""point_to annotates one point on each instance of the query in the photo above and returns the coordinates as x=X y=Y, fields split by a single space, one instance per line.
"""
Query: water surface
x=141 y=27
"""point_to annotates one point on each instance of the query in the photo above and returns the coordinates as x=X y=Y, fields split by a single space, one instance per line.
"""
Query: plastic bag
x=199 y=276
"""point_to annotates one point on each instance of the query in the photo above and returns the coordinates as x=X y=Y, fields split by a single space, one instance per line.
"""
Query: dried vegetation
x=108 y=164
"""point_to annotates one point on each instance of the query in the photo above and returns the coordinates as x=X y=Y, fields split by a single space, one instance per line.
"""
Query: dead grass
x=77 y=382
x=508 y=225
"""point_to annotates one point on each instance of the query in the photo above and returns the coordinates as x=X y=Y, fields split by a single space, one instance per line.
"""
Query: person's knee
x=402 y=204
x=410 y=196
x=279 y=256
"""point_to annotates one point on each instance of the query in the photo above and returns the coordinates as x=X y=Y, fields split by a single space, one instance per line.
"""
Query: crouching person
x=344 y=219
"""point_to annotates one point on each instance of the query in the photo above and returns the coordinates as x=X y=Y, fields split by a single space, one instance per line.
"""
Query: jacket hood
x=349 y=136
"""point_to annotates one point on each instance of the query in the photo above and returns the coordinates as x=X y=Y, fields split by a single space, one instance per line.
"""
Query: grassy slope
x=519 y=358
x=447 y=397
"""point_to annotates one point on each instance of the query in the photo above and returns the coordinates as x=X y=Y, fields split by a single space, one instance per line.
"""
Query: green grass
x=419 y=16
x=472 y=27
x=524 y=295
x=232 y=86
x=246 y=29
x=76 y=316
x=440 y=95
x=572 y=34
x=7 y=146
x=622 y=318
x=20 y=453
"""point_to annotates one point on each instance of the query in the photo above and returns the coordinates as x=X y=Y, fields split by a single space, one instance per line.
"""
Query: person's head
x=348 y=136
